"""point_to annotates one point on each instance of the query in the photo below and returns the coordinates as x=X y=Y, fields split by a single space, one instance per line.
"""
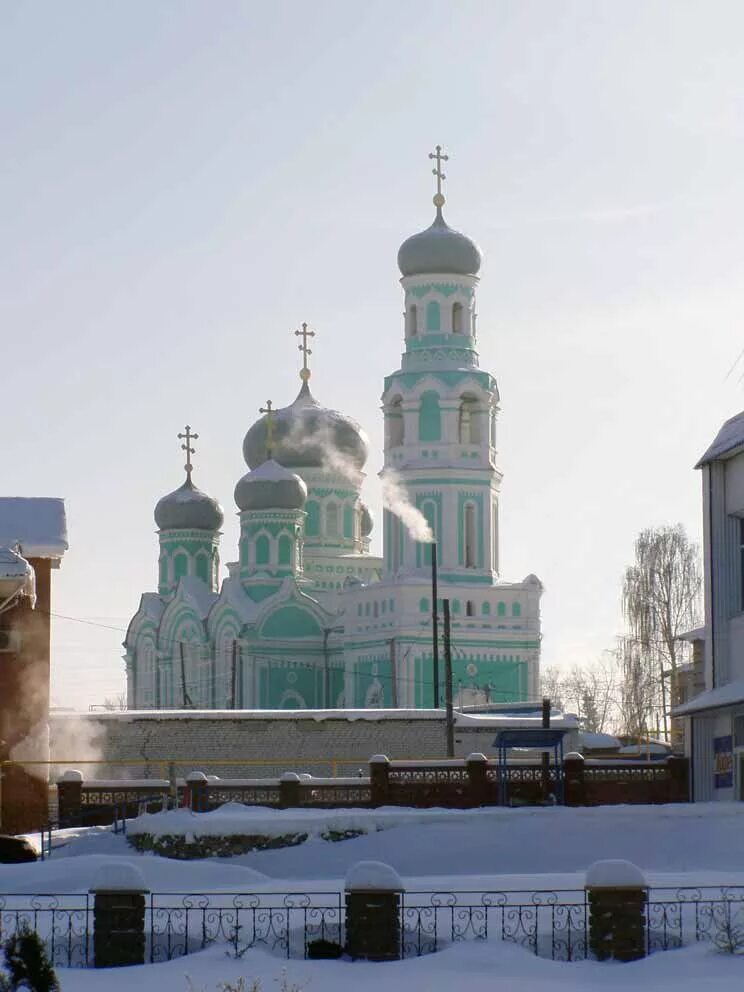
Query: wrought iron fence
x=549 y=923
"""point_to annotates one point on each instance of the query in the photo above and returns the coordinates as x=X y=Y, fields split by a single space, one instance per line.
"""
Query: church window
x=470 y=543
x=469 y=421
x=457 y=318
x=312 y=523
x=430 y=417
x=424 y=605
x=486 y=609
x=433 y=316
x=376 y=610
x=366 y=609
x=262 y=550
x=285 y=550
x=470 y=608
x=501 y=609
x=455 y=605
x=331 y=527
x=180 y=565
x=516 y=609
x=396 y=423
x=202 y=567
x=412 y=321
x=348 y=522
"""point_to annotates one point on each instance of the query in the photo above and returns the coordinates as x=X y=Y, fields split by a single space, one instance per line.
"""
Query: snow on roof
x=199 y=593
x=724 y=695
x=234 y=594
x=38 y=523
x=727 y=440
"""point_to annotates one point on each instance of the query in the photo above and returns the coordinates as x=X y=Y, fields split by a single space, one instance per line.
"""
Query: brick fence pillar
x=476 y=766
x=197 y=787
x=679 y=779
x=379 y=779
x=290 y=790
x=617 y=895
x=119 y=892
x=574 y=790
x=70 y=798
x=373 y=930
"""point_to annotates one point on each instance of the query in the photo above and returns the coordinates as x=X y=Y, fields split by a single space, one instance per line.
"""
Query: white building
x=715 y=717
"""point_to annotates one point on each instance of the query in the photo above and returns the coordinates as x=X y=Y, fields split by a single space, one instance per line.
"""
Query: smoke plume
x=396 y=500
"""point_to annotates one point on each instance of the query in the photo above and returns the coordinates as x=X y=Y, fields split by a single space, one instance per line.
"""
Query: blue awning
x=539 y=737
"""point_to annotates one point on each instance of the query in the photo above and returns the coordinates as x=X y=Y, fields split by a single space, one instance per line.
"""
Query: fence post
x=119 y=892
x=379 y=779
x=290 y=786
x=617 y=894
x=477 y=768
x=373 y=925
x=679 y=771
x=574 y=789
x=70 y=798
x=197 y=786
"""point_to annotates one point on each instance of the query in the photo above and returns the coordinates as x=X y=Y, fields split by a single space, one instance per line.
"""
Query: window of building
x=396 y=423
x=331 y=527
x=180 y=565
x=516 y=609
x=433 y=316
x=348 y=522
x=469 y=420
x=501 y=609
x=312 y=521
x=470 y=541
x=457 y=318
x=412 y=321
x=285 y=550
x=263 y=550
x=470 y=608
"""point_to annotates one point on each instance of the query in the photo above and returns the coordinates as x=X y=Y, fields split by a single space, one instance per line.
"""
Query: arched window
x=312 y=521
x=285 y=550
x=180 y=565
x=331 y=527
x=457 y=318
x=202 y=567
x=469 y=421
x=486 y=609
x=263 y=550
x=470 y=544
x=501 y=609
x=376 y=609
x=470 y=608
x=455 y=605
x=396 y=423
x=424 y=605
x=433 y=316
x=348 y=521
x=412 y=321
x=516 y=609
x=430 y=417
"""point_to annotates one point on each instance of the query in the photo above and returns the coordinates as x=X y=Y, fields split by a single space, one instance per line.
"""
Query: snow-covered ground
x=546 y=848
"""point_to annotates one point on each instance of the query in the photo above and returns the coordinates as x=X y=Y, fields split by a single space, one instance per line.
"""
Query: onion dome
x=270 y=487
x=188 y=508
x=307 y=435
x=439 y=249
x=367 y=521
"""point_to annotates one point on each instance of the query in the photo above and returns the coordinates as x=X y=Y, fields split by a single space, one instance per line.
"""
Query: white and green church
x=307 y=616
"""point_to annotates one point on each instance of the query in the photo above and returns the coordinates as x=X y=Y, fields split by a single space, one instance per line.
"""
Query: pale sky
x=182 y=183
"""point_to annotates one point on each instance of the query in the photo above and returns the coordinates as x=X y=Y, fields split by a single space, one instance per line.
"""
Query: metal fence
x=552 y=924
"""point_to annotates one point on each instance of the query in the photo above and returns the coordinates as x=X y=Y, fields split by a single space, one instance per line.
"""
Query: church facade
x=307 y=617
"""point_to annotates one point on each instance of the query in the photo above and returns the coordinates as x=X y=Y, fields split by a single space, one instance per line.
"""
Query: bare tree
x=552 y=686
x=661 y=600
x=588 y=691
x=112 y=703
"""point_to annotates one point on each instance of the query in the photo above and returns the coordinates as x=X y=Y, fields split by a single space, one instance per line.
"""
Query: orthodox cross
x=269 y=411
x=188 y=437
x=304 y=334
x=439 y=197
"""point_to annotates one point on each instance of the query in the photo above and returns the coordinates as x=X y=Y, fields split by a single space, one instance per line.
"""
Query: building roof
x=727 y=440
x=37 y=523
x=439 y=249
x=724 y=695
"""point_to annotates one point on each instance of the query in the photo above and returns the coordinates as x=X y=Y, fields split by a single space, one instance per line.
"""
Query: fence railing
x=552 y=924
x=458 y=783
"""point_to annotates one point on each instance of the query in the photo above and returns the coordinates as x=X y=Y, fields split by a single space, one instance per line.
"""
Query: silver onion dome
x=188 y=508
x=270 y=487
x=439 y=249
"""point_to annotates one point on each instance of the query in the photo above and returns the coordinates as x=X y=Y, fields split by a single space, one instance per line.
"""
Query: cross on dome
x=188 y=437
x=269 y=411
x=304 y=333
x=440 y=157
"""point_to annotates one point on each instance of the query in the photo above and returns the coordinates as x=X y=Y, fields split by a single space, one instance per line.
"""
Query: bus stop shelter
x=542 y=739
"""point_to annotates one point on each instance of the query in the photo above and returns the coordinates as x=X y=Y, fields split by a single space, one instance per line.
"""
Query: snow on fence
x=552 y=924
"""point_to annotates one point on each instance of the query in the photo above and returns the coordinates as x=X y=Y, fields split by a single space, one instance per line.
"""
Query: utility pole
x=545 y=754
x=434 y=624
x=449 y=713
x=393 y=675
x=187 y=704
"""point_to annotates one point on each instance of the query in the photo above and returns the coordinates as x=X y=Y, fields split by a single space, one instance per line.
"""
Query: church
x=308 y=617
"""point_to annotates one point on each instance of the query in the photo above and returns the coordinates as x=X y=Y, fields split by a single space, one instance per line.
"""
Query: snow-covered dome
x=439 y=249
x=188 y=508
x=270 y=487
x=307 y=435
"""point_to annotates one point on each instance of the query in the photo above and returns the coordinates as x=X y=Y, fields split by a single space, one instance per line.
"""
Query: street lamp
x=17 y=579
